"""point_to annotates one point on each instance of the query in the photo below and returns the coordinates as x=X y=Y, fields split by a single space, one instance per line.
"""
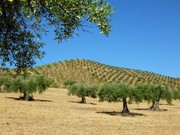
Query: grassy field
x=55 y=113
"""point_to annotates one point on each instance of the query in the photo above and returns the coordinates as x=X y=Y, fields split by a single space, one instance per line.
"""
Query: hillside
x=91 y=72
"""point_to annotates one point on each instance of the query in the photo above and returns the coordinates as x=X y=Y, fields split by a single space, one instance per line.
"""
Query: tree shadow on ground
x=35 y=100
x=176 y=106
x=171 y=104
x=3 y=91
x=148 y=109
x=122 y=114
x=79 y=102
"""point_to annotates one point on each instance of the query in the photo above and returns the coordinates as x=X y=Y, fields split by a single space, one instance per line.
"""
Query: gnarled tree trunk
x=83 y=101
x=125 y=107
x=155 y=106
x=27 y=96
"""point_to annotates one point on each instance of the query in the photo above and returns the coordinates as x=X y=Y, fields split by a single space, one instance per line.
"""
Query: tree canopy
x=22 y=23
x=82 y=90
x=28 y=85
x=176 y=94
x=3 y=80
x=117 y=93
x=154 y=93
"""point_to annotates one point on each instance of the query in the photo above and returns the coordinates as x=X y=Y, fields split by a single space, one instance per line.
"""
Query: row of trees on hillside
x=124 y=93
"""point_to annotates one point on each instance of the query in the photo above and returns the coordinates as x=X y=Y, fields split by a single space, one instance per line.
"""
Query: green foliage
x=28 y=85
x=176 y=94
x=3 y=79
x=14 y=84
x=142 y=92
x=22 y=23
x=83 y=90
x=42 y=83
x=68 y=83
x=115 y=92
x=153 y=93
x=92 y=91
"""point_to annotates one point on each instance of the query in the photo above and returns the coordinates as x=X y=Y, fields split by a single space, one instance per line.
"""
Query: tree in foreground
x=28 y=86
x=117 y=93
x=22 y=23
x=154 y=93
x=83 y=91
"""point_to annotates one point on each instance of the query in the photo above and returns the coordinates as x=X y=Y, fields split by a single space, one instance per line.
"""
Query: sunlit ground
x=56 y=113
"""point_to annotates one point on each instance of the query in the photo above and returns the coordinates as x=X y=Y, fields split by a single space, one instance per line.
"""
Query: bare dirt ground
x=55 y=113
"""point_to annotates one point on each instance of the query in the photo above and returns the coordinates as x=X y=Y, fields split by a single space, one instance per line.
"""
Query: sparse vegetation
x=53 y=114
x=94 y=73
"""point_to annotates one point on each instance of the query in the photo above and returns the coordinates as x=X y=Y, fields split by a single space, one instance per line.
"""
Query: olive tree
x=22 y=23
x=83 y=91
x=3 y=80
x=28 y=86
x=154 y=93
x=176 y=94
x=117 y=93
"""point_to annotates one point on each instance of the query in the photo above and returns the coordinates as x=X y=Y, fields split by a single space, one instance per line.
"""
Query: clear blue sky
x=145 y=35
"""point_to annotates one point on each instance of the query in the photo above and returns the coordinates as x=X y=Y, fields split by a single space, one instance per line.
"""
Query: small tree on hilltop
x=117 y=93
x=82 y=91
x=154 y=93
x=28 y=86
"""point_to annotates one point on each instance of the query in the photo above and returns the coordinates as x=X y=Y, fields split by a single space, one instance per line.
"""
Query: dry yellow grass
x=55 y=113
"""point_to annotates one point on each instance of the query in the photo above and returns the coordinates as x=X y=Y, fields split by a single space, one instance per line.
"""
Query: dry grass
x=55 y=113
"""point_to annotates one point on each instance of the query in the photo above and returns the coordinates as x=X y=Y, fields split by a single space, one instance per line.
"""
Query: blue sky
x=145 y=35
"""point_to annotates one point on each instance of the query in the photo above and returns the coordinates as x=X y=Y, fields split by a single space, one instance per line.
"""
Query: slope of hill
x=91 y=72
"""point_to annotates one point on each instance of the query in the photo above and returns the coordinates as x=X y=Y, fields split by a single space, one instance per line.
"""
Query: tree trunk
x=125 y=107
x=155 y=106
x=153 y=102
x=83 y=100
x=26 y=96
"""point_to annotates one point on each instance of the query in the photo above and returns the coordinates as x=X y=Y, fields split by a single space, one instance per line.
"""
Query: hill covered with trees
x=91 y=72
